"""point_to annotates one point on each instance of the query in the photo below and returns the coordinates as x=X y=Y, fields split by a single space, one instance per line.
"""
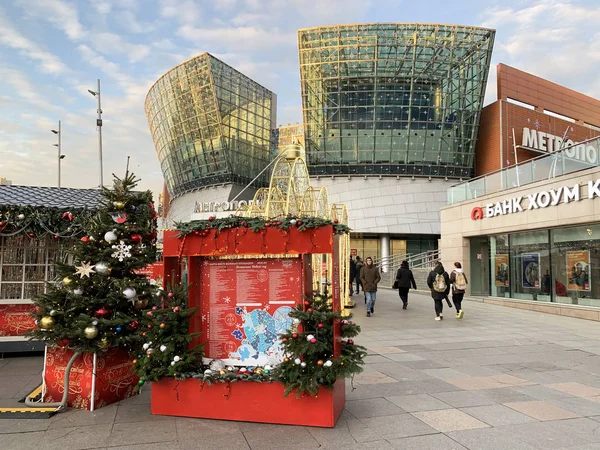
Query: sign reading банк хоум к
x=537 y=200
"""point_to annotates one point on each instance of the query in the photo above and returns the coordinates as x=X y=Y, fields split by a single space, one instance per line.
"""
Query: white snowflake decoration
x=122 y=251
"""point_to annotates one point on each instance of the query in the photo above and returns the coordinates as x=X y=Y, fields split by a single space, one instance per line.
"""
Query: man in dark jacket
x=369 y=277
x=439 y=283
x=405 y=280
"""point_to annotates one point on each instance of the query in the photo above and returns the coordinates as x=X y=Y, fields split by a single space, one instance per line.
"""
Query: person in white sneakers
x=439 y=283
x=458 y=279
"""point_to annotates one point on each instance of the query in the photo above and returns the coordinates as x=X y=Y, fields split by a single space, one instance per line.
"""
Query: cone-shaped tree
x=98 y=299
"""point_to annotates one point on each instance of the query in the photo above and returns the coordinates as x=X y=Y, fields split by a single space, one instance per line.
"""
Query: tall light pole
x=99 y=126
x=60 y=155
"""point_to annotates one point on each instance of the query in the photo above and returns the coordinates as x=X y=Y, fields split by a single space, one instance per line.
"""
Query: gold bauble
x=140 y=304
x=47 y=322
x=104 y=343
x=319 y=363
x=258 y=370
x=119 y=205
x=66 y=281
x=90 y=332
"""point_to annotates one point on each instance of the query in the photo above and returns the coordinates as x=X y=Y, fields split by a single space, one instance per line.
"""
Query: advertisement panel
x=501 y=270
x=578 y=270
x=16 y=320
x=530 y=270
x=245 y=305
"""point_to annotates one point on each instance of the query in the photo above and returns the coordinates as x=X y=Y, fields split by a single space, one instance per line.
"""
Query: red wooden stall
x=273 y=270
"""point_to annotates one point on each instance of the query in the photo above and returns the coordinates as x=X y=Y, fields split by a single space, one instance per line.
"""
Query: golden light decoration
x=66 y=281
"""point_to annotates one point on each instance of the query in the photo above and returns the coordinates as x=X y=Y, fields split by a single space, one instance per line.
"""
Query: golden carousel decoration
x=290 y=193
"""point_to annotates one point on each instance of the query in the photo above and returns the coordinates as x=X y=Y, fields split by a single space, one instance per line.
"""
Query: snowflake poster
x=245 y=305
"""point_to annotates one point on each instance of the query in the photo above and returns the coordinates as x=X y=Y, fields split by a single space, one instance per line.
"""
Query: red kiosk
x=260 y=275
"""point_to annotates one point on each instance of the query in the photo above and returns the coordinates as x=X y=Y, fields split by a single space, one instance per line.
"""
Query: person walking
x=404 y=280
x=458 y=279
x=359 y=266
x=369 y=277
x=352 y=275
x=439 y=283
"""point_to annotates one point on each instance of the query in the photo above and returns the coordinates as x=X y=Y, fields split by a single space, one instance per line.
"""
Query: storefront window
x=529 y=266
x=576 y=265
x=500 y=268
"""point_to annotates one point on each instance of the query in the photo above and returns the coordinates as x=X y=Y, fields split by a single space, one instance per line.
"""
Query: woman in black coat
x=405 y=280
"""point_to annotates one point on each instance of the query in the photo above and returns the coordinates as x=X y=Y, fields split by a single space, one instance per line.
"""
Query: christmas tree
x=310 y=362
x=97 y=301
x=167 y=349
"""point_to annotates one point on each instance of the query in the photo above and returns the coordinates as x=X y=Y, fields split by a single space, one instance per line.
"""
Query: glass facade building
x=393 y=99
x=210 y=125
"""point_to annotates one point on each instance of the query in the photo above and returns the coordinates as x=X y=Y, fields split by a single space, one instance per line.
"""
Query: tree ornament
x=102 y=268
x=176 y=309
x=320 y=325
x=53 y=312
x=298 y=361
x=63 y=343
x=118 y=329
x=102 y=313
x=104 y=343
x=140 y=304
x=170 y=295
x=31 y=235
x=47 y=323
x=293 y=221
x=303 y=365
x=146 y=346
x=286 y=359
x=21 y=216
x=90 y=332
x=162 y=325
x=313 y=341
x=137 y=238
x=163 y=348
x=211 y=218
x=85 y=239
x=335 y=221
x=310 y=337
x=176 y=359
x=310 y=310
x=141 y=382
x=66 y=281
x=208 y=372
x=85 y=269
x=94 y=322
x=119 y=217
x=56 y=237
x=328 y=363
x=295 y=336
x=122 y=251
x=129 y=293
x=320 y=363
x=119 y=204
x=110 y=236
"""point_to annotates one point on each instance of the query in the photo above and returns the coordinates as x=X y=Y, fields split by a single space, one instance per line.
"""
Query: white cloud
x=183 y=11
x=111 y=44
x=550 y=39
x=24 y=88
x=63 y=15
x=10 y=37
x=102 y=7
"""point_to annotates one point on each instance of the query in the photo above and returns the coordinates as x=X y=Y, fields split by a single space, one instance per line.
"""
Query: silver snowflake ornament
x=122 y=251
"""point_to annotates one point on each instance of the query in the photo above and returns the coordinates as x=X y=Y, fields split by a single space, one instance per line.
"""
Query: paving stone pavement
x=499 y=379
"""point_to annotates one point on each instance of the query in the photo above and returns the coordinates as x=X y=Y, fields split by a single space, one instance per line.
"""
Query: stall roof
x=52 y=197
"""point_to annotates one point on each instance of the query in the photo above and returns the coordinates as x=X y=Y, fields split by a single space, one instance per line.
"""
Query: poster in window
x=578 y=270
x=501 y=277
x=531 y=270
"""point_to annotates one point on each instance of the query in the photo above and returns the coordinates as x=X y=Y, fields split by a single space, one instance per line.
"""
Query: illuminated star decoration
x=537 y=124
x=85 y=270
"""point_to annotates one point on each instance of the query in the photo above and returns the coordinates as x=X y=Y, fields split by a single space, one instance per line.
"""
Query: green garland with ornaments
x=40 y=221
x=307 y=365
x=256 y=224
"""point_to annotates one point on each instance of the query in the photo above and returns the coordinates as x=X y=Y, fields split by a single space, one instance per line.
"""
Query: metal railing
x=425 y=261
x=567 y=160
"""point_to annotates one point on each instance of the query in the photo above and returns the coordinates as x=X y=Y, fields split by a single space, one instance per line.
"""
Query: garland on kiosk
x=41 y=221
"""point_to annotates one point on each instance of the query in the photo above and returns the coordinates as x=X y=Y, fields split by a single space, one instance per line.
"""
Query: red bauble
x=64 y=215
x=298 y=223
x=313 y=341
x=85 y=239
x=102 y=312
x=197 y=233
x=284 y=340
x=350 y=342
x=149 y=313
x=306 y=303
x=136 y=238
x=149 y=327
x=211 y=218
x=38 y=310
x=31 y=235
x=335 y=221
x=134 y=324
x=154 y=308
x=56 y=237
x=176 y=309
x=310 y=310
x=70 y=216
x=295 y=335
x=320 y=325
x=170 y=295
x=63 y=343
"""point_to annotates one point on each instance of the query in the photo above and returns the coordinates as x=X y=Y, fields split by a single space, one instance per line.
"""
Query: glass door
x=480 y=266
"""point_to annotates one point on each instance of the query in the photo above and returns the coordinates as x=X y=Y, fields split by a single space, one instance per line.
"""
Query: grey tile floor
x=499 y=379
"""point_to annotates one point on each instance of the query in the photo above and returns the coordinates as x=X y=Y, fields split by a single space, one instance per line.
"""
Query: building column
x=384 y=247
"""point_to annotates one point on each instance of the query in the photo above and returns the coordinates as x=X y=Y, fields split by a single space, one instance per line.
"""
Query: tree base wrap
x=247 y=402
x=96 y=380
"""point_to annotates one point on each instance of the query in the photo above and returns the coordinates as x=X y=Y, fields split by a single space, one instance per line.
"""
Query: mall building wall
x=457 y=225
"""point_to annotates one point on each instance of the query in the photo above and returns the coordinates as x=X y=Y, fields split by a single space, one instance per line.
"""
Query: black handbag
x=395 y=285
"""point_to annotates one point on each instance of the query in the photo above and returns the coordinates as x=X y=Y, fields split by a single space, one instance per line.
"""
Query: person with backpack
x=369 y=277
x=458 y=279
x=359 y=266
x=404 y=281
x=439 y=283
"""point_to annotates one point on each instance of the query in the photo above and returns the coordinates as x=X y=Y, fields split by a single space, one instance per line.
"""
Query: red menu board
x=245 y=305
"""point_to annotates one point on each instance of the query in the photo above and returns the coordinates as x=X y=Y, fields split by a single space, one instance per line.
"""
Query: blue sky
x=52 y=51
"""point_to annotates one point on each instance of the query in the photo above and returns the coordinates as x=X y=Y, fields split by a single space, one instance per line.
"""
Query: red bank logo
x=477 y=213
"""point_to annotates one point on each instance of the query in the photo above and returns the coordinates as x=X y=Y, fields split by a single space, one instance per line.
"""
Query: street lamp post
x=60 y=155
x=99 y=126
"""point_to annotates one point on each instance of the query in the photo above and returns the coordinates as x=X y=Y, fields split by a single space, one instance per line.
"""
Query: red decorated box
x=248 y=402
x=113 y=380
x=16 y=320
